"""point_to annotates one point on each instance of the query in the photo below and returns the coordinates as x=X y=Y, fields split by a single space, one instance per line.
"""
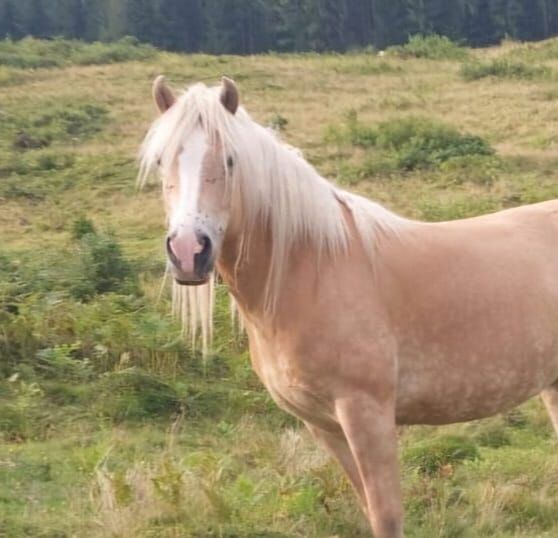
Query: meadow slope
x=110 y=425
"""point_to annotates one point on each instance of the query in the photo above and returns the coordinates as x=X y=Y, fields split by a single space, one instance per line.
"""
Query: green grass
x=535 y=52
x=110 y=425
x=504 y=68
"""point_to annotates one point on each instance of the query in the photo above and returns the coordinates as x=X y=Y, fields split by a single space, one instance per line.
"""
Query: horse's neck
x=244 y=266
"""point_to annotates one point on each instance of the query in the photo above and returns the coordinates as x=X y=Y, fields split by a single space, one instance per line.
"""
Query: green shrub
x=134 y=394
x=421 y=143
x=359 y=134
x=352 y=131
x=207 y=402
x=60 y=362
x=504 y=69
x=17 y=339
x=432 y=47
x=10 y=282
x=46 y=173
x=113 y=331
x=479 y=169
x=81 y=227
x=60 y=123
x=516 y=418
x=31 y=53
x=32 y=164
x=430 y=455
x=103 y=267
x=278 y=122
x=20 y=409
x=493 y=436
x=409 y=143
x=14 y=423
x=94 y=264
x=61 y=393
x=124 y=50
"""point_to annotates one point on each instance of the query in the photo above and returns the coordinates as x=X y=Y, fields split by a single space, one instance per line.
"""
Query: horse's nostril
x=170 y=252
x=205 y=243
x=203 y=259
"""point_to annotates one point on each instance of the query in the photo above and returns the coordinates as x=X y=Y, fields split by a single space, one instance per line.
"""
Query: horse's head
x=196 y=193
x=234 y=193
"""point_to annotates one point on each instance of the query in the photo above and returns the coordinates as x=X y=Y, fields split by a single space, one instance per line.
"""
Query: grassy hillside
x=109 y=424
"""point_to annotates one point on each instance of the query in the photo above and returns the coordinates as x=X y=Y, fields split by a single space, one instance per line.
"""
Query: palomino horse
x=358 y=319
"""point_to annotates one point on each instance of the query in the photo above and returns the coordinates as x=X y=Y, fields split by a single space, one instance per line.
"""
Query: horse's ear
x=229 y=95
x=162 y=94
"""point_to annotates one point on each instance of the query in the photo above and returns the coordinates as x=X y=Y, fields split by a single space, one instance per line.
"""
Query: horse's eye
x=229 y=162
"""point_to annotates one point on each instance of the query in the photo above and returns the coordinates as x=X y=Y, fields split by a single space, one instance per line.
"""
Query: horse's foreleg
x=337 y=446
x=550 y=399
x=370 y=429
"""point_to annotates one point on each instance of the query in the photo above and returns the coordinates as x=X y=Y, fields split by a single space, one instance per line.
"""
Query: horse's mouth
x=192 y=282
x=198 y=277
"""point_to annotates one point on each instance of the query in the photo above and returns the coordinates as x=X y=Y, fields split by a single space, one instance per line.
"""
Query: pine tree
x=9 y=22
x=534 y=21
x=181 y=25
x=390 y=22
x=358 y=23
x=290 y=21
x=77 y=15
x=228 y=28
x=114 y=23
x=479 y=27
x=327 y=25
x=418 y=19
x=505 y=15
x=219 y=37
x=140 y=18
x=38 y=21
x=446 y=18
x=250 y=26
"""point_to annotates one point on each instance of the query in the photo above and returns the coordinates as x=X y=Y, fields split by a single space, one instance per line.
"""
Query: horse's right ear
x=162 y=94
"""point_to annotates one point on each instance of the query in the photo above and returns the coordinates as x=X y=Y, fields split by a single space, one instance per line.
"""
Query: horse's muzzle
x=191 y=261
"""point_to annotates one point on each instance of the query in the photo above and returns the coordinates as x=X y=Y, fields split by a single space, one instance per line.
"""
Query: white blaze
x=190 y=163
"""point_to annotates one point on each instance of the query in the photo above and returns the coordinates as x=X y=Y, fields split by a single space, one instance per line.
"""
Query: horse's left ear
x=162 y=94
x=229 y=95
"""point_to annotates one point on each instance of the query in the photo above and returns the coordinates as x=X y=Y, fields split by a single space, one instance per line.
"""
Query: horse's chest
x=289 y=388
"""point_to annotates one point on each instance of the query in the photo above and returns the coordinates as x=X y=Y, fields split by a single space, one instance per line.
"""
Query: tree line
x=252 y=26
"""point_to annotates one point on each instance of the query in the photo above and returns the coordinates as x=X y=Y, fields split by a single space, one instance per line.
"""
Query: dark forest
x=253 y=26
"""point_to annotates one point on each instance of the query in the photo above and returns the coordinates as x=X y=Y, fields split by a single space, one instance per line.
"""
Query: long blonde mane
x=270 y=184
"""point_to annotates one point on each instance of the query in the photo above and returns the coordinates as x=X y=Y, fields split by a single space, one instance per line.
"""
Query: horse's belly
x=470 y=390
